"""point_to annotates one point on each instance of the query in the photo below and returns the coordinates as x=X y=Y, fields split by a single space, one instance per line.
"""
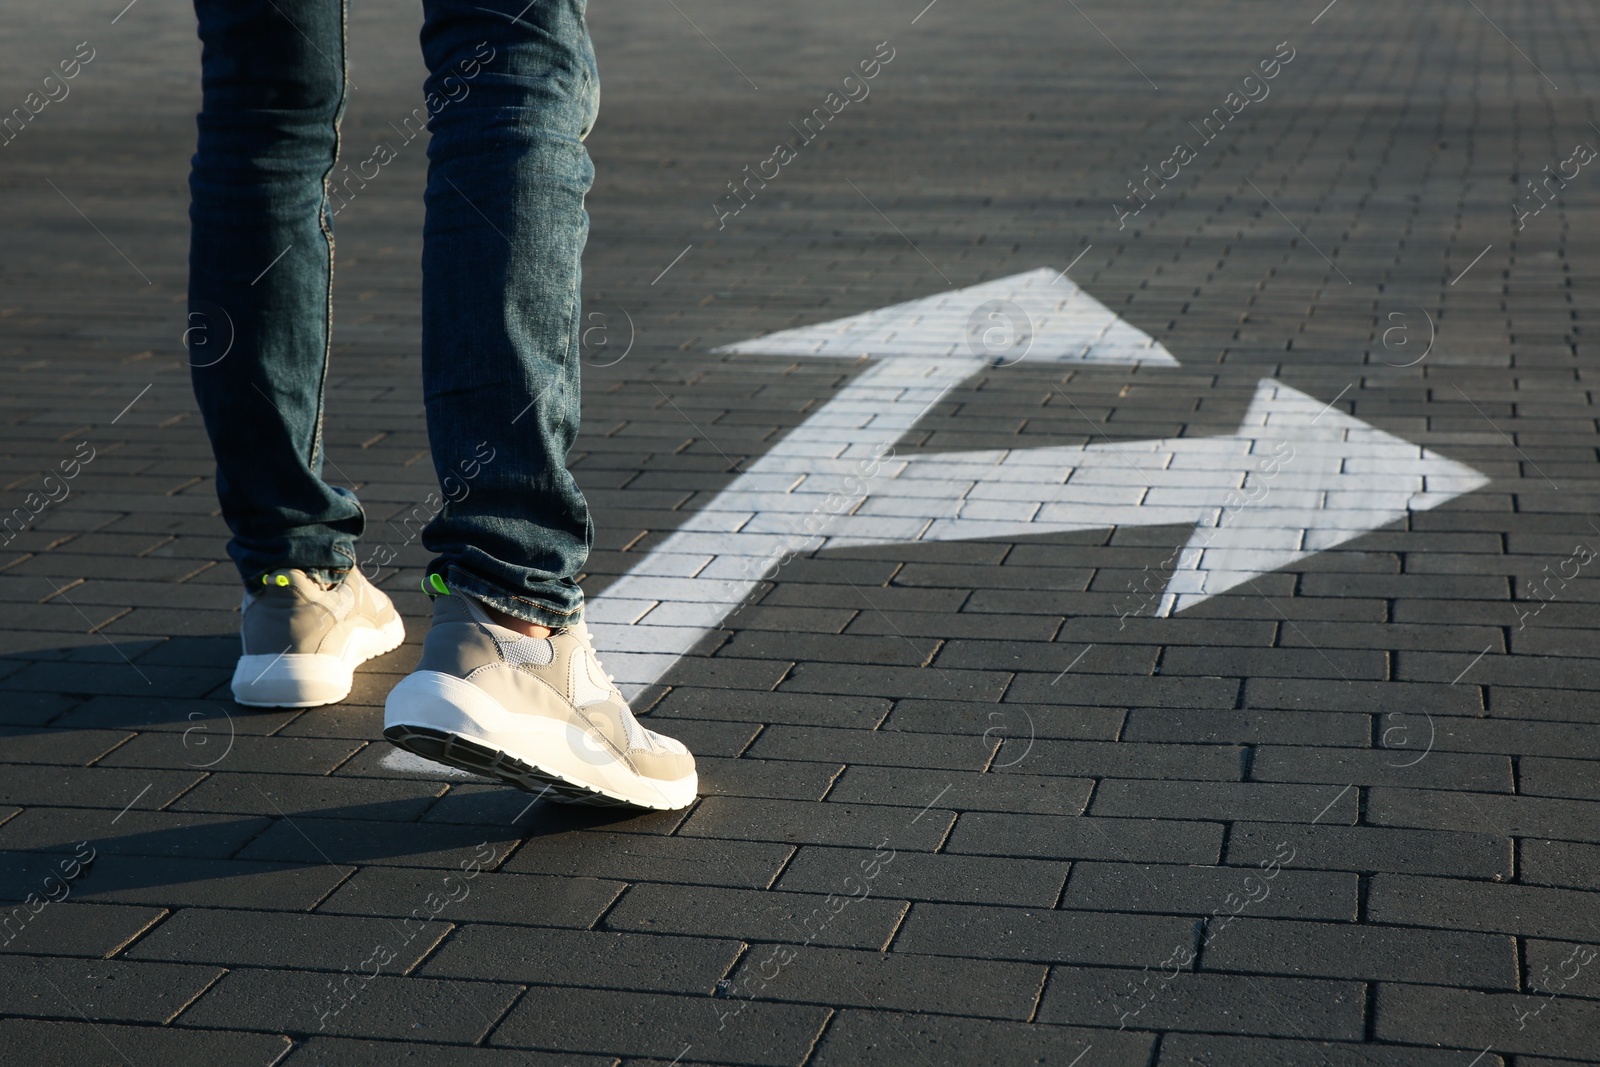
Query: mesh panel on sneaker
x=638 y=736
x=527 y=651
x=666 y=744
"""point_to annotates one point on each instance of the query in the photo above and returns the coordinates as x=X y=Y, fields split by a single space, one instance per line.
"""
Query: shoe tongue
x=474 y=609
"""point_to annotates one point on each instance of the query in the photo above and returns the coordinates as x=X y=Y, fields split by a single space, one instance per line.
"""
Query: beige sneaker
x=302 y=643
x=537 y=713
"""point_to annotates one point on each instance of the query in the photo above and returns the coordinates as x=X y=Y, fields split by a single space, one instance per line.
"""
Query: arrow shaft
x=783 y=504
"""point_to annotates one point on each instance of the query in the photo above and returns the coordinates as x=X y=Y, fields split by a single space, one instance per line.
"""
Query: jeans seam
x=327 y=232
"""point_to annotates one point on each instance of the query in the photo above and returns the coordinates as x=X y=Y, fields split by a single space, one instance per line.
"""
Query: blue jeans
x=512 y=91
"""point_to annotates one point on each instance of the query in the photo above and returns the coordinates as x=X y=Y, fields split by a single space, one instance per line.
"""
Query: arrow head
x=1320 y=478
x=1040 y=315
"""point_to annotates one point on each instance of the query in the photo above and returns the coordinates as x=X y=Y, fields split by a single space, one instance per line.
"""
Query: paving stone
x=1053 y=658
x=1515 y=737
x=281 y=755
x=644 y=858
x=896 y=981
x=1216 y=1050
x=1004 y=719
x=869 y=1037
x=833 y=648
x=894 y=682
x=95 y=1043
x=1434 y=635
x=70 y=747
x=65 y=928
x=111 y=679
x=1159 y=725
x=1409 y=764
x=824 y=823
x=43 y=875
x=95 y=787
x=726 y=672
x=585 y=958
x=301 y=794
x=1467 y=1019
x=1556 y=672
x=963 y=791
x=1121 y=759
x=799 y=709
x=780 y=779
x=1291 y=694
x=1224 y=800
x=207 y=883
x=1296 y=609
x=873 y=747
x=358 y=1004
x=1536 y=702
x=138 y=833
x=1345 y=664
x=103 y=990
x=1191 y=890
x=207 y=719
x=1042 y=935
x=1484 y=813
x=806 y=620
x=336 y=1051
x=1085 y=837
x=488 y=896
x=653 y=1024
x=355 y=1052
x=1114 y=692
x=1561 y=969
x=844 y=919
x=1453 y=904
x=925 y=876
x=941 y=625
x=1372 y=848
x=1572 y=778
x=34 y=709
x=1560 y=863
x=278 y=939
x=357 y=841
x=1257 y=945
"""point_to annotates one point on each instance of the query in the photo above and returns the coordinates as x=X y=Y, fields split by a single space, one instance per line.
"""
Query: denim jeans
x=512 y=91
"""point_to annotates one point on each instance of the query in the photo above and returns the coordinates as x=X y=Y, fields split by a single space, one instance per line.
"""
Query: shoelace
x=588 y=643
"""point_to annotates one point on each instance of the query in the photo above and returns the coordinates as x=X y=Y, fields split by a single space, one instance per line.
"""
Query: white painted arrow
x=1294 y=479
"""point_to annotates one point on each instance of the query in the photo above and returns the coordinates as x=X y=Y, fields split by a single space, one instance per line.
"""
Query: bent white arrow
x=1294 y=479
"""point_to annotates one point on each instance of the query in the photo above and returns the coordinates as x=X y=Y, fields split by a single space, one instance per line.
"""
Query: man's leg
x=260 y=272
x=513 y=92
x=260 y=276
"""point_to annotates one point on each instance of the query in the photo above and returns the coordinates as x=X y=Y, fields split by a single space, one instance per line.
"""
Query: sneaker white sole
x=451 y=721
x=311 y=679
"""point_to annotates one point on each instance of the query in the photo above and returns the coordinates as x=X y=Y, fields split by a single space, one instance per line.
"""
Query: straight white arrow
x=1295 y=478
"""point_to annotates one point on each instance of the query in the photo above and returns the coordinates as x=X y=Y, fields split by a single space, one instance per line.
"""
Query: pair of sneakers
x=539 y=713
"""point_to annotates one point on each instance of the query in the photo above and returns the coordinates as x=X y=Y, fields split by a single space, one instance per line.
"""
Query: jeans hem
x=522 y=607
x=327 y=575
